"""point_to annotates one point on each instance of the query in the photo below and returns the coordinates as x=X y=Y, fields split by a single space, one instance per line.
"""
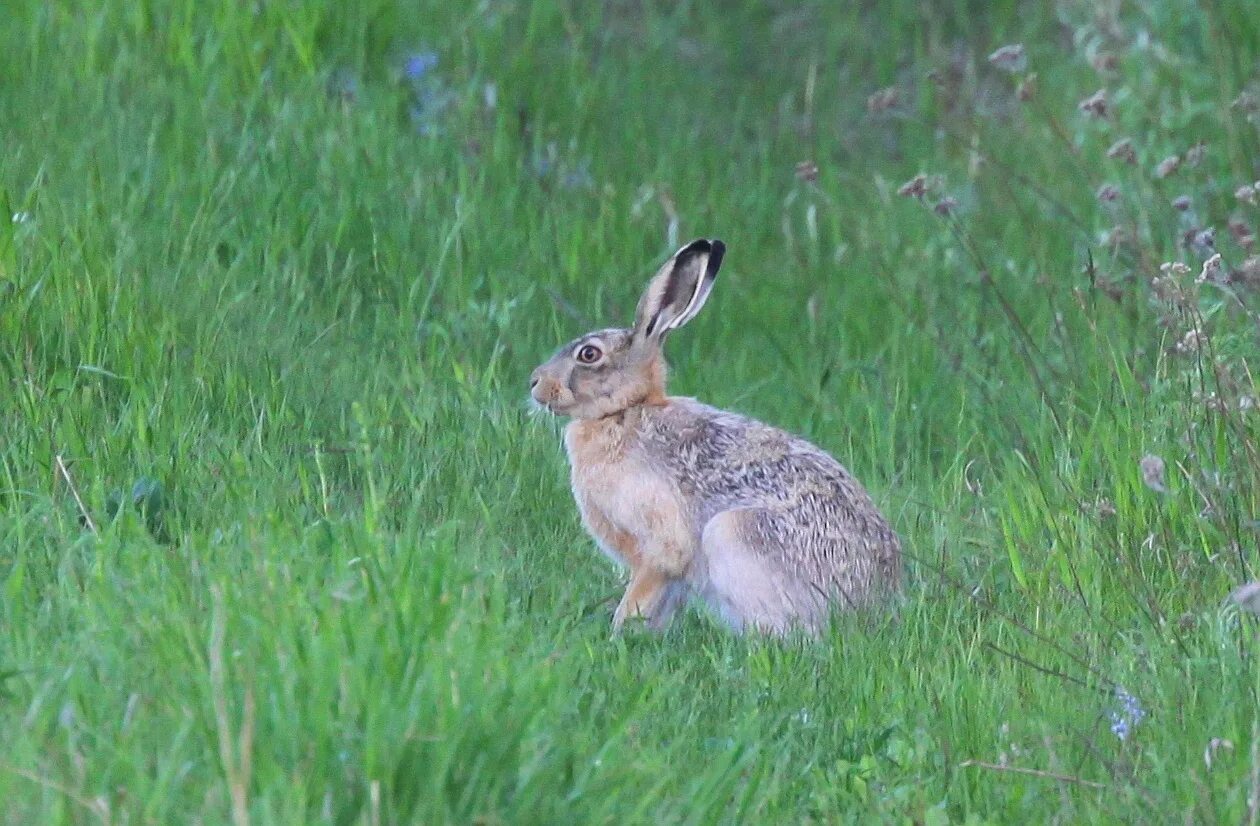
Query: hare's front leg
x=651 y=595
x=654 y=544
x=618 y=544
x=658 y=584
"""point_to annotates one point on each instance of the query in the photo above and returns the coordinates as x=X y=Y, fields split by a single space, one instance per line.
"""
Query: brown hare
x=769 y=530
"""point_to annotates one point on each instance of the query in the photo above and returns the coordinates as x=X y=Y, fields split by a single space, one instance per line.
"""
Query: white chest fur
x=631 y=508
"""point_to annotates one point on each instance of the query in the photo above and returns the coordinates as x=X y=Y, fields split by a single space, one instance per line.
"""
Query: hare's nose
x=533 y=381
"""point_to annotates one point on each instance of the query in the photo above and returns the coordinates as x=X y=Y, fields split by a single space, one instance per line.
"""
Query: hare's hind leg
x=741 y=580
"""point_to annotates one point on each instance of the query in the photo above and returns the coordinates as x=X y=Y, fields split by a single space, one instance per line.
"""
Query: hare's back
x=725 y=460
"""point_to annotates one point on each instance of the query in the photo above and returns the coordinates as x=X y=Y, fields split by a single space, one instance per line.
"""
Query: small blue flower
x=343 y=84
x=419 y=64
x=579 y=177
x=1127 y=716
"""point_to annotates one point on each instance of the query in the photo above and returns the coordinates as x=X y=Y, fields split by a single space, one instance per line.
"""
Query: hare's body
x=767 y=528
x=764 y=526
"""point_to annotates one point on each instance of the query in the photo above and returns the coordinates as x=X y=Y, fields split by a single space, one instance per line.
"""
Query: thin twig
x=97 y=807
x=1066 y=778
x=234 y=765
x=245 y=741
x=1253 y=802
x=1119 y=770
x=567 y=307
x=65 y=474
x=1028 y=345
x=1043 y=669
x=1010 y=172
x=587 y=610
x=992 y=606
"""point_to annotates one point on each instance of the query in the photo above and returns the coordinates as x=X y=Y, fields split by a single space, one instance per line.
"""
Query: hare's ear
x=678 y=291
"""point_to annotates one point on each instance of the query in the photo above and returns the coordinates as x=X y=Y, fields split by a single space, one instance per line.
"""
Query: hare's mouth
x=539 y=407
x=553 y=407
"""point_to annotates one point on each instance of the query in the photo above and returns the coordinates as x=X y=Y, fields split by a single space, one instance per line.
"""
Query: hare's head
x=607 y=371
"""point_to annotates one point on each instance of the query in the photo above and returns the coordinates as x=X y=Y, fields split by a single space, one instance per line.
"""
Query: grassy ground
x=282 y=544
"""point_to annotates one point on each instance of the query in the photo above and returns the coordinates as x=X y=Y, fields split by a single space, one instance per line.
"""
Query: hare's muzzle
x=536 y=393
x=546 y=390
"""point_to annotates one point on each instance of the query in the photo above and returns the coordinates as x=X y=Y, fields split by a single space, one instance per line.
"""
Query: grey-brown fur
x=815 y=524
x=765 y=527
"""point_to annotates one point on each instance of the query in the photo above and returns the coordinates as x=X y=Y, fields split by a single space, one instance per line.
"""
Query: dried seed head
x=1246 y=193
x=1105 y=508
x=1105 y=63
x=1011 y=58
x=1168 y=290
x=1215 y=745
x=1173 y=268
x=1181 y=203
x=1248 y=273
x=1192 y=342
x=916 y=187
x=1107 y=193
x=1027 y=88
x=1152 y=468
x=1203 y=241
x=1247 y=597
x=807 y=171
x=1196 y=154
x=1117 y=237
x=1247 y=103
x=1211 y=270
x=883 y=100
x=1167 y=166
x=1095 y=105
x=1122 y=150
x=1243 y=236
x=946 y=206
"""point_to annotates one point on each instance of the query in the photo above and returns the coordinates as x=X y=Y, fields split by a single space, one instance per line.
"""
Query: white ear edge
x=704 y=284
x=698 y=262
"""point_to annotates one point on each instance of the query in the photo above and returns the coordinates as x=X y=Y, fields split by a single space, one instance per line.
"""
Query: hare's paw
x=652 y=597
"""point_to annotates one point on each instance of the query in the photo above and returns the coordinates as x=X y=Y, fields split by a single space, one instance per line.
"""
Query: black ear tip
x=712 y=246
x=716 y=250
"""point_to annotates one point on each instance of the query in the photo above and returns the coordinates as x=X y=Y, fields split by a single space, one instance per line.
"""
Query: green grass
x=278 y=330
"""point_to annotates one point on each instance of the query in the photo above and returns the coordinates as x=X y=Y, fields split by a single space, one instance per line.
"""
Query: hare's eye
x=589 y=354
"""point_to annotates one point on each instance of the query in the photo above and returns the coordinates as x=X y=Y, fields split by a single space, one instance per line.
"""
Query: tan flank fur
x=769 y=530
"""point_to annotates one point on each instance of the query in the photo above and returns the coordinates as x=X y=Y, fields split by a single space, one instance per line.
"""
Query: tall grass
x=281 y=543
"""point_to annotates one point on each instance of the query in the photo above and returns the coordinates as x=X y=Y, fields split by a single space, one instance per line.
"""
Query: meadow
x=282 y=542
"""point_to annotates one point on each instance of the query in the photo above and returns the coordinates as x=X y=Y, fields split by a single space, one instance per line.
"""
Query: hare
x=769 y=530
